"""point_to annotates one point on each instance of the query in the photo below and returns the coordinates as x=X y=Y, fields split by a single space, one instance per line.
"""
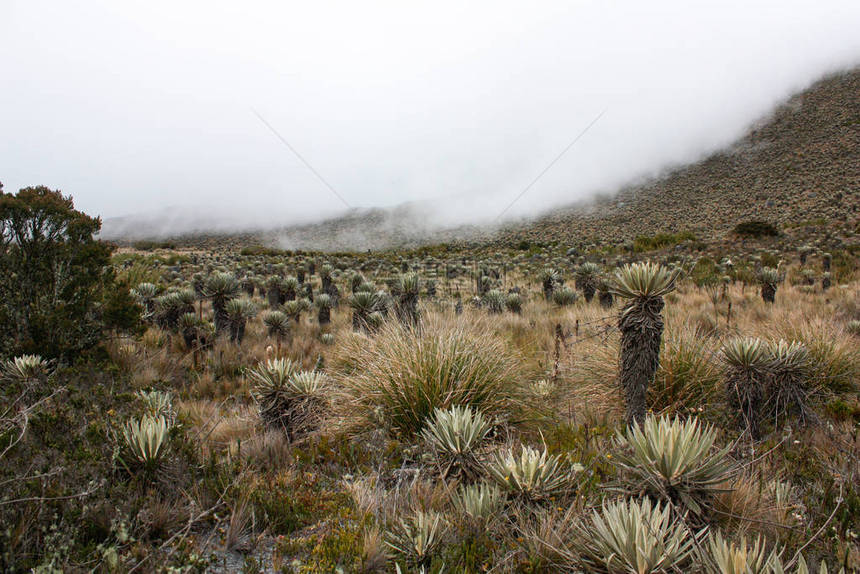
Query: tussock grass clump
x=687 y=376
x=405 y=373
x=755 y=499
x=675 y=461
x=834 y=357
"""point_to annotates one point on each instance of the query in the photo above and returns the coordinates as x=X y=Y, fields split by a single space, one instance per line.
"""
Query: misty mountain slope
x=800 y=164
x=404 y=226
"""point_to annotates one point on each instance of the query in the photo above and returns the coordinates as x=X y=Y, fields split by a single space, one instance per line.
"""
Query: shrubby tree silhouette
x=58 y=292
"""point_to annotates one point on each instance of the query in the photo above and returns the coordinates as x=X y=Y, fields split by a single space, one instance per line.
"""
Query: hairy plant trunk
x=481 y=285
x=358 y=321
x=190 y=338
x=274 y=296
x=641 y=326
x=605 y=299
x=237 y=331
x=222 y=320
x=407 y=309
x=588 y=291
x=768 y=292
x=324 y=316
x=548 y=288
x=334 y=293
x=745 y=390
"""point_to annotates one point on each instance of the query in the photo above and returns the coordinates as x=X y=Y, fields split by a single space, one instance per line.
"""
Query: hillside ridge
x=798 y=165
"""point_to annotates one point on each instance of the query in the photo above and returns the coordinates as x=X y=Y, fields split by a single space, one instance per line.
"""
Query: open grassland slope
x=800 y=165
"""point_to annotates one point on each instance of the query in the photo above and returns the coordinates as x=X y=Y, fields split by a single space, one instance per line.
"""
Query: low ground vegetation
x=405 y=411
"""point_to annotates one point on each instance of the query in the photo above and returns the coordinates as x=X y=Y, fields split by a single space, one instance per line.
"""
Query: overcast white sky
x=133 y=106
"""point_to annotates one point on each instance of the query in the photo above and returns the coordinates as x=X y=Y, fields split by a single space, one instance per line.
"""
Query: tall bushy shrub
x=58 y=292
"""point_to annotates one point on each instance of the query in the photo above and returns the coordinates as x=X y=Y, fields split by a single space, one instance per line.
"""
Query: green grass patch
x=661 y=240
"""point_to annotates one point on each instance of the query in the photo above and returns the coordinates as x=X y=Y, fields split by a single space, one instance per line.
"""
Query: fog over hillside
x=145 y=111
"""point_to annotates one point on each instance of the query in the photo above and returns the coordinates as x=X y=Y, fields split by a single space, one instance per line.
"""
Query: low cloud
x=145 y=107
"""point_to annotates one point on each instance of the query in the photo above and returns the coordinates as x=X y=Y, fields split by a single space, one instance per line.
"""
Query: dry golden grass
x=398 y=376
x=217 y=427
x=264 y=449
x=752 y=504
x=557 y=374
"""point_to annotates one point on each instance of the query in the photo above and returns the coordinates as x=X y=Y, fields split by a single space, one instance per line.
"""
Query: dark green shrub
x=661 y=240
x=58 y=293
x=150 y=245
x=756 y=228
